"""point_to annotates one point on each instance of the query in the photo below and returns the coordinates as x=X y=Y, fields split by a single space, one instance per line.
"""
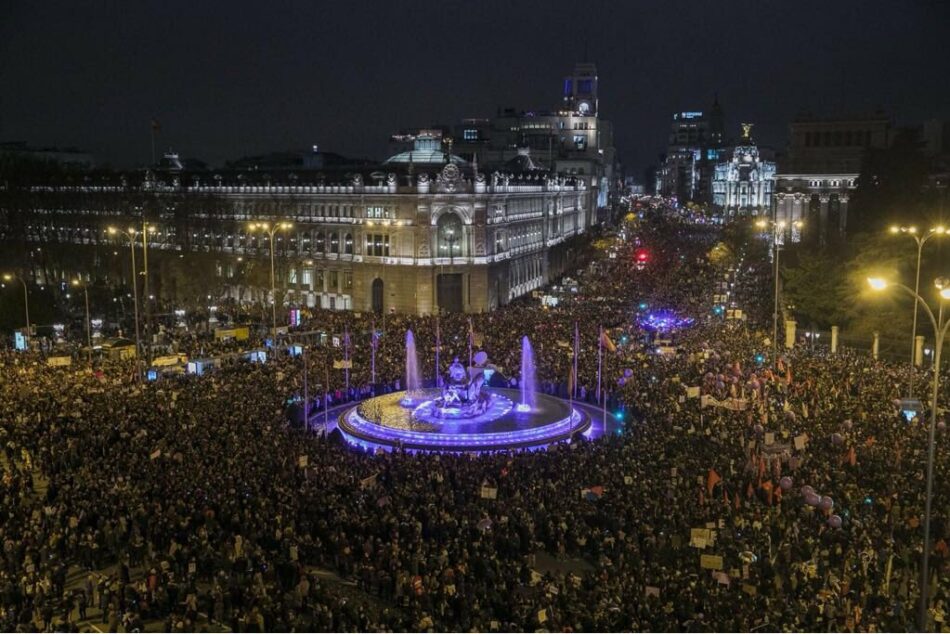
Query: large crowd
x=741 y=492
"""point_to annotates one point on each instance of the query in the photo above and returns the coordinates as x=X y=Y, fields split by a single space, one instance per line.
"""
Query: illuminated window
x=348 y=244
x=470 y=135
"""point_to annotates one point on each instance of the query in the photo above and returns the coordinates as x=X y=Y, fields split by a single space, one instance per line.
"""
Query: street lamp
x=920 y=240
x=8 y=277
x=85 y=290
x=130 y=234
x=940 y=326
x=777 y=228
x=271 y=230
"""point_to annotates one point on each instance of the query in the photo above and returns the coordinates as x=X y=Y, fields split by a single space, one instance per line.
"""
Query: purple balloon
x=622 y=381
x=628 y=373
x=785 y=483
x=812 y=499
x=834 y=521
x=807 y=490
x=837 y=438
x=827 y=503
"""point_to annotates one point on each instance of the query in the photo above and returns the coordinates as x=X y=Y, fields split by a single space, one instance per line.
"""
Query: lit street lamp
x=920 y=240
x=271 y=230
x=85 y=290
x=777 y=228
x=940 y=326
x=8 y=277
x=130 y=234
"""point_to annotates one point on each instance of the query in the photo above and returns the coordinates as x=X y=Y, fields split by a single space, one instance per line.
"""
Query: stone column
x=824 y=199
x=843 y=221
x=834 y=340
x=790 y=333
x=919 y=350
x=876 y=345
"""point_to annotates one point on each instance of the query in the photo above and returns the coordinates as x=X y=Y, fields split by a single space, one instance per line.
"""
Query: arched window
x=334 y=242
x=449 y=235
x=348 y=244
x=320 y=243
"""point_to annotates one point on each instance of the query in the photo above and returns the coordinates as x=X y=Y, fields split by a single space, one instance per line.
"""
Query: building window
x=292 y=276
x=334 y=280
x=318 y=277
x=377 y=245
x=580 y=141
x=335 y=242
x=376 y=212
x=320 y=243
x=470 y=134
x=348 y=244
x=347 y=281
x=307 y=277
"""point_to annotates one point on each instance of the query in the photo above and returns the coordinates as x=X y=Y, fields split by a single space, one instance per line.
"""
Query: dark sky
x=230 y=78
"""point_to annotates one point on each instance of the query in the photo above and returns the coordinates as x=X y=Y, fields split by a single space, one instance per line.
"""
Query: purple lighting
x=499 y=428
x=664 y=321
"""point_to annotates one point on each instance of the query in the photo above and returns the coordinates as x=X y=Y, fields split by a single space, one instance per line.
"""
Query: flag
x=767 y=486
x=712 y=480
x=607 y=343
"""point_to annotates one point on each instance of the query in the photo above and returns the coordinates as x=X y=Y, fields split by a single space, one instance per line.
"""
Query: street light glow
x=877 y=283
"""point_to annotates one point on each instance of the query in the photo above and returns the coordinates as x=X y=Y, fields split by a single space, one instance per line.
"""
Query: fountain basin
x=383 y=422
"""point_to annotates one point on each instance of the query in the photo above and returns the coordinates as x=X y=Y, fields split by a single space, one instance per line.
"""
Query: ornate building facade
x=742 y=185
x=819 y=172
x=409 y=238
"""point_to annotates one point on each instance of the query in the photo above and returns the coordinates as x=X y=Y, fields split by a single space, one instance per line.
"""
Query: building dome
x=426 y=148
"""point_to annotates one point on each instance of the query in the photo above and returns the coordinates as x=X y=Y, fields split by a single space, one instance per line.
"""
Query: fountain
x=529 y=389
x=413 y=381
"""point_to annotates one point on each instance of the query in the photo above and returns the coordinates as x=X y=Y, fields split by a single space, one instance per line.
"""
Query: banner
x=59 y=361
x=346 y=364
x=366 y=483
x=489 y=493
x=692 y=392
x=710 y=562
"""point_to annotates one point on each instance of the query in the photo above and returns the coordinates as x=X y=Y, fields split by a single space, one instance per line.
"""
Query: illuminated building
x=415 y=237
x=695 y=144
x=742 y=185
x=819 y=173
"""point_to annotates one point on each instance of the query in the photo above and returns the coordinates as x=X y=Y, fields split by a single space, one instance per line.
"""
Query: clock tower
x=580 y=89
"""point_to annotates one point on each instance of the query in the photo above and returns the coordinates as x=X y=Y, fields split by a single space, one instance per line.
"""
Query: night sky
x=226 y=79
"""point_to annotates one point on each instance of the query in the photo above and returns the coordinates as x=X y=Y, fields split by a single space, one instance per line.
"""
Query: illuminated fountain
x=413 y=380
x=465 y=414
x=529 y=388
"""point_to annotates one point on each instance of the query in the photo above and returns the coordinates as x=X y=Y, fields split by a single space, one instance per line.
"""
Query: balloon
x=827 y=503
x=720 y=384
x=848 y=424
x=785 y=483
x=758 y=428
x=812 y=499
x=628 y=373
x=807 y=490
x=790 y=415
x=942 y=426
x=481 y=357
x=621 y=381
x=834 y=521
x=837 y=438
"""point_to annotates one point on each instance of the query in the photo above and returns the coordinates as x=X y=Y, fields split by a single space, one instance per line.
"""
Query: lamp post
x=85 y=290
x=146 y=303
x=271 y=230
x=920 y=240
x=8 y=277
x=940 y=326
x=130 y=234
x=776 y=228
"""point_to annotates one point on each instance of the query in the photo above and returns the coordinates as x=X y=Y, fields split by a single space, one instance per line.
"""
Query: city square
x=637 y=354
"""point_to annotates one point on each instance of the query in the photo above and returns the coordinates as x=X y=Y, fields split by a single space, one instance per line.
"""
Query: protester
x=185 y=501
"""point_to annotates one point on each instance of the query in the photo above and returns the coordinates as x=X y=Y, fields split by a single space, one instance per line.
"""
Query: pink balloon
x=758 y=428
x=834 y=521
x=942 y=426
x=827 y=503
x=785 y=483
x=807 y=490
x=812 y=499
x=848 y=424
x=837 y=438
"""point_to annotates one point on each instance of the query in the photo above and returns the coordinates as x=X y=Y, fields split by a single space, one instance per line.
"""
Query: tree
x=816 y=289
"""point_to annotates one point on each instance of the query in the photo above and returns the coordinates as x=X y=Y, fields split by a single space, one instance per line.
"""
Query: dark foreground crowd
x=792 y=501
